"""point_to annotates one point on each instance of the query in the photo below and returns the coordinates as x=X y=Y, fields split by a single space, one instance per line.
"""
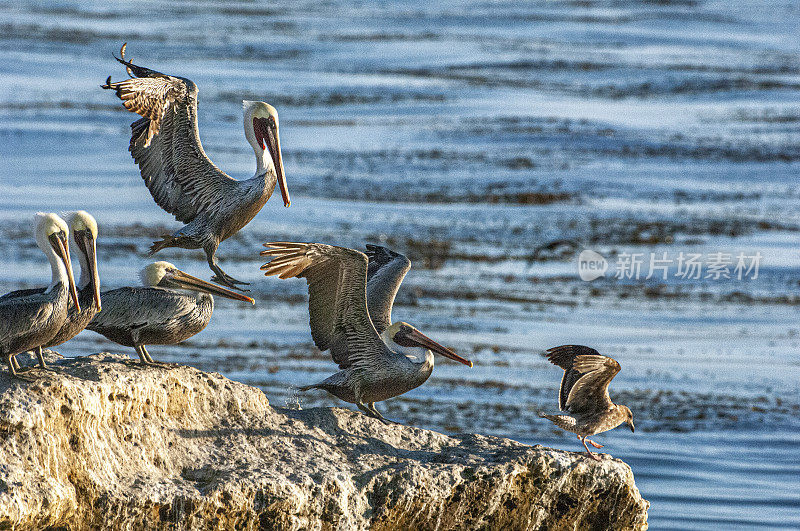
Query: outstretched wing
x=385 y=272
x=166 y=146
x=337 y=305
x=587 y=374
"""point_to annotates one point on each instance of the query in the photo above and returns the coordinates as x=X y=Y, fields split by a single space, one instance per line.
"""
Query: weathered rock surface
x=101 y=442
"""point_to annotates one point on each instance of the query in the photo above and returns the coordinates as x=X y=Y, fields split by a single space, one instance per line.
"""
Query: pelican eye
x=402 y=339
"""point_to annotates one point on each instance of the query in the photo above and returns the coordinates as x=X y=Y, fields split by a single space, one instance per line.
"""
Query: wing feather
x=385 y=272
x=587 y=375
x=337 y=304
x=165 y=143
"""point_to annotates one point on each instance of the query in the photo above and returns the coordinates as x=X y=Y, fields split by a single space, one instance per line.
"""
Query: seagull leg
x=594 y=444
x=593 y=456
x=15 y=363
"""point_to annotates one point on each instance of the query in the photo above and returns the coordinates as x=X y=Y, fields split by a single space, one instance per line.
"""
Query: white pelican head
x=407 y=340
x=84 y=234
x=52 y=237
x=261 y=130
x=165 y=275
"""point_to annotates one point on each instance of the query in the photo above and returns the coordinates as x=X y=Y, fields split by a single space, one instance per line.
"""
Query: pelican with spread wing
x=165 y=143
x=584 y=394
x=350 y=304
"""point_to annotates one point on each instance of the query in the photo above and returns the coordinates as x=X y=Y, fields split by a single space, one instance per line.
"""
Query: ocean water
x=473 y=136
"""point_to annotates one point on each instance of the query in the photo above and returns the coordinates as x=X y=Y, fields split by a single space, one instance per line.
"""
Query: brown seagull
x=584 y=394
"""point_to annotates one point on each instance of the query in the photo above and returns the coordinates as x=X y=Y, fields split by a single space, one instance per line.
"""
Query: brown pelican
x=351 y=317
x=584 y=394
x=29 y=321
x=170 y=308
x=84 y=234
x=166 y=146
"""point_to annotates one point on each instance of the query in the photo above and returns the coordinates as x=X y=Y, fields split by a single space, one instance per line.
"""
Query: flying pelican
x=351 y=317
x=171 y=307
x=32 y=320
x=584 y=393
x=84 y=234
x=166 y=146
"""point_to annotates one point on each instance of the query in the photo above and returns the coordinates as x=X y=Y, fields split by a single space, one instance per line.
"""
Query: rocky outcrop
x=102 y=442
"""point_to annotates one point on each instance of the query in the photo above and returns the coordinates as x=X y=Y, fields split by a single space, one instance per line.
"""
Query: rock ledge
x=101 y=442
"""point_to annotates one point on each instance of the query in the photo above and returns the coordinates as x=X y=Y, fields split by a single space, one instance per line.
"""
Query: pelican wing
x=21 y=293
x=20 y=314
x=337 y=305
x=134 y=308
x=587 y=375
x=385 y=272
x=166 y=146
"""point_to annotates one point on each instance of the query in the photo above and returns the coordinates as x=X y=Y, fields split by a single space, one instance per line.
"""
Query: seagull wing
x=337 y=305
x=590 y=393
x=566 y=357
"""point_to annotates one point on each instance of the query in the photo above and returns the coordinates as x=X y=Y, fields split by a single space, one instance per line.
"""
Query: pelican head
x=405 y=339
x=84 y=232
x=52 y=237
x=261 y=130
x=627 y=415
x=165 y=275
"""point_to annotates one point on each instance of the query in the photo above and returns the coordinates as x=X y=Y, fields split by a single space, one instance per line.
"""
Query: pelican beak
x=86 y=244
x=274 y=143
x=90 y=248
x=61 y=247
x=424 y=341
x=186 y=281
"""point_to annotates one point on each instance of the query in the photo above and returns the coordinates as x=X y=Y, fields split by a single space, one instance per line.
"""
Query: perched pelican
x=84 y=234
x=166 y=146
x=170 y=308
x=584 y=394
x=351 y=317
x=29 y=321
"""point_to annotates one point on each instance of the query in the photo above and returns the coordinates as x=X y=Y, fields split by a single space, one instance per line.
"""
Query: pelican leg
x=221 y=276
x=593 y=456
x=40 y=357
x=370 y=410
x=144 y=357
x=147 y=355
x=11 y=361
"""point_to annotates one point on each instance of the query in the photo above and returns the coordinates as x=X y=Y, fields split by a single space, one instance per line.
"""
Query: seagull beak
x=90 y=248
x=274 y=142
x=424 y=341
x=61 y=247
x=630 y=425
x=186 y=281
